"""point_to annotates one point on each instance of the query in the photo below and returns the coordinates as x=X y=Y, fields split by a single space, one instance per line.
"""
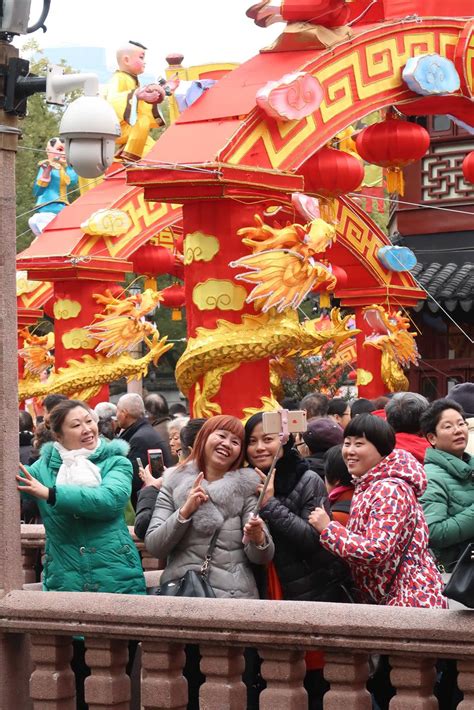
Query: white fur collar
x=227 y=495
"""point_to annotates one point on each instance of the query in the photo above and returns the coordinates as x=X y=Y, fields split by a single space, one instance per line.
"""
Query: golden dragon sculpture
x=286 y=262
x=36 y=352
x=83 y=378
x=391 y=334
x=119 y=329
x=215 y=352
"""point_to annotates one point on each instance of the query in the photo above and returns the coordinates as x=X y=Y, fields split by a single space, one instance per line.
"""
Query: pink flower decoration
x=291 y=98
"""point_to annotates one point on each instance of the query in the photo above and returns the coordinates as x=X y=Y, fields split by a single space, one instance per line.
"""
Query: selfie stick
x=284 y=436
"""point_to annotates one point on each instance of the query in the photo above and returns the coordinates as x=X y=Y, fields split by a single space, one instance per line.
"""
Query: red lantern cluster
x=468 y=167
x=393 y=144
x=331 y=173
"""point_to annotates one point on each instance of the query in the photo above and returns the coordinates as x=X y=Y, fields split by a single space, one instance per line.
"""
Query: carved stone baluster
x=223 y=668
x=466 y=684
x=284 y=672
x=414 y=679
x=163 y=684
x=52 y=684
x=108 y=686
x=347 y=673
x=28 y=561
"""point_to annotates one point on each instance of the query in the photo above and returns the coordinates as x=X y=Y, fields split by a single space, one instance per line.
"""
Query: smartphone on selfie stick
x=156 y=462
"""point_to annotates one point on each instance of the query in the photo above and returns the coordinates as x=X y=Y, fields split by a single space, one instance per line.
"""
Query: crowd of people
x=373 y=504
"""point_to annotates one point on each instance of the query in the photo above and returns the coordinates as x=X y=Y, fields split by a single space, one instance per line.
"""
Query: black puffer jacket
x=306 y=571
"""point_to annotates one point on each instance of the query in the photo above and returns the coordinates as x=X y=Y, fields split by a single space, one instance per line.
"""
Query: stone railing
x=32 y=545
x=281 y=631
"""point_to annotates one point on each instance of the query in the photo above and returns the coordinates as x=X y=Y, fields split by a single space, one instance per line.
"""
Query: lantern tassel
x=395 y=181
x=150 y=282
x=328 y=209
x=324 y=300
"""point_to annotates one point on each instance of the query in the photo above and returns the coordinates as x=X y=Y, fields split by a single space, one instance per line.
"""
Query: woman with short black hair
x=386 y=538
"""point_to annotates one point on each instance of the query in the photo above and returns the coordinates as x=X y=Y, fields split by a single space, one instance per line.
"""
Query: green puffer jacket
x=88 y=546
x=448 y=503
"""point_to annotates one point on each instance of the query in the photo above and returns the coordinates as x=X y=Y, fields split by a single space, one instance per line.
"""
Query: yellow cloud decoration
x=64 y=309
x=23 y=283
x=199 y=246
x=78 y=338
x=107 y=223
x=218 y=293
x=364 y=377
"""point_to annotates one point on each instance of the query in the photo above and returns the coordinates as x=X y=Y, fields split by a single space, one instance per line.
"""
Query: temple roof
x=451 y=284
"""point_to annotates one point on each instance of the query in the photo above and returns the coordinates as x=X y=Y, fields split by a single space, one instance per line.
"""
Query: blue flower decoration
x=431 y=75
x=396 y=258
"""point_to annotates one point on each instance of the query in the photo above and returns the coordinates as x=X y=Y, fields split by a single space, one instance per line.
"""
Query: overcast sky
x=203 y=30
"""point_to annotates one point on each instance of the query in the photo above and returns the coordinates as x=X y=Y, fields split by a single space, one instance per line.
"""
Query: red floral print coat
x=385 y=511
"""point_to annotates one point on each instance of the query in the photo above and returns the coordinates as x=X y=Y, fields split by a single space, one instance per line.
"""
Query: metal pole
x=13 y=647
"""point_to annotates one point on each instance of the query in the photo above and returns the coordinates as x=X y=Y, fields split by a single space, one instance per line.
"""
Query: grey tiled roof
x=451 y=284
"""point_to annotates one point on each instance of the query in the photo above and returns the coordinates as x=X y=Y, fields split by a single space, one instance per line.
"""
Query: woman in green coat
x=82 y=484
x=448 y=501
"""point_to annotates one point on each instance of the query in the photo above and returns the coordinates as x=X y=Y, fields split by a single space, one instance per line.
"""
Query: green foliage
x=321 y=373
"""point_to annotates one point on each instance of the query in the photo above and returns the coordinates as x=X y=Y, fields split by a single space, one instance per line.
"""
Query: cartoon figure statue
x=51 y=186
x=135 y=106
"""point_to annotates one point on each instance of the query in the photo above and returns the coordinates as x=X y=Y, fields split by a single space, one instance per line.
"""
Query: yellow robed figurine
x=135 y=106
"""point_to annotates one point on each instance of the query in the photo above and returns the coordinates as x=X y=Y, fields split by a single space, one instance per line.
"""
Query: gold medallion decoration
x=219 y=294
x=199 y=246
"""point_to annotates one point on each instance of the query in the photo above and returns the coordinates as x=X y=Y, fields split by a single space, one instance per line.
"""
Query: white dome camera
x=89 y=128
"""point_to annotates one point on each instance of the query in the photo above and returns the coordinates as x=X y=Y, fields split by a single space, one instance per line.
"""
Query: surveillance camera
x=89 y=128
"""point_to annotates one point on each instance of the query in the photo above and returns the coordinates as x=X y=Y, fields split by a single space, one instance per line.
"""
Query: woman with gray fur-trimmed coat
x=210 y=492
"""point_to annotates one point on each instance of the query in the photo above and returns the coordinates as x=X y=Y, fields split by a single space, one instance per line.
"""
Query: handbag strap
x=210 y=550
x=207 y=560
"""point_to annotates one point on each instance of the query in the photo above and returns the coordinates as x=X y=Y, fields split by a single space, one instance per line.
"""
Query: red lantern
x=392 y=144
x=173 y=296
x=152 y=261
x=330 y=173
x=468 y=167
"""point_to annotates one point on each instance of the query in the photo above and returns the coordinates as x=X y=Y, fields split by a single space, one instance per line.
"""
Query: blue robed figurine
x=53 y=181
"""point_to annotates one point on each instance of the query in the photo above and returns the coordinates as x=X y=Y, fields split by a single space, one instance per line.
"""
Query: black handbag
x=192 y=583
x=461 y=585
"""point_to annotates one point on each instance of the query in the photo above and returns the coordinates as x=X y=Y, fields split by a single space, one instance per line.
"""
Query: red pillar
x=217 y=201
x=368 y=359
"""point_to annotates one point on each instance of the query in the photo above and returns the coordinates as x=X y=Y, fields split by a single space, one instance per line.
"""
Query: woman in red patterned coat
x=386 y=538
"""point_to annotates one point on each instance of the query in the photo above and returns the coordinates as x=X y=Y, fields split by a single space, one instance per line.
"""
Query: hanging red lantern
x=173 y=296
x=151 y=260
x=468 y=167
x=330 y=173
x=393 y=144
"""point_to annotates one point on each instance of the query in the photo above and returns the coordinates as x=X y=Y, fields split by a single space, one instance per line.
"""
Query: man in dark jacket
x=322 y=434
x=138 y=432
x=158 y=413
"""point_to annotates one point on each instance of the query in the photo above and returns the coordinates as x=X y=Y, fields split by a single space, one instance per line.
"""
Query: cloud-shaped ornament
x=431 y=75
x=292 y=97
